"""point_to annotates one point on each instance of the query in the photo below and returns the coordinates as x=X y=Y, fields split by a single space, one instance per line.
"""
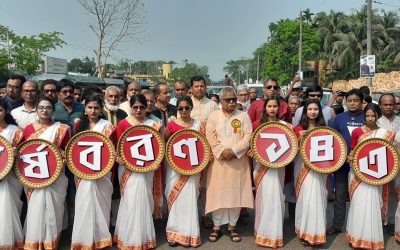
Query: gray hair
x=242 y=87
x=134 y=83
x=111 y=88
x=292 y=97
x=226 y=90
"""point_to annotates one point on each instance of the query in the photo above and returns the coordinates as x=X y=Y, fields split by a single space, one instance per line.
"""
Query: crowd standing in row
x=129 y=201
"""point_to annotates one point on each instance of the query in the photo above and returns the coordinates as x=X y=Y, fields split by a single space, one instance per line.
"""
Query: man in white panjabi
x=391 y=122
x=228 y=132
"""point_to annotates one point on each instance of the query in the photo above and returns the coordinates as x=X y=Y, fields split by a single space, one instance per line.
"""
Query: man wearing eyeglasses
x=243 y=97
x=13 y=98
x=315 y=92
x=228 y=132
x=270 y=88
x=67 y=110
x=50 y=89
x=26 y=113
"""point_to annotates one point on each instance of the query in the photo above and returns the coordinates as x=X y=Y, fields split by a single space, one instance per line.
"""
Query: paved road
x=246 y=231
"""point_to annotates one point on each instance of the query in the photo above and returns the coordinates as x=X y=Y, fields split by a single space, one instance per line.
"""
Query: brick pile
x=382 y=82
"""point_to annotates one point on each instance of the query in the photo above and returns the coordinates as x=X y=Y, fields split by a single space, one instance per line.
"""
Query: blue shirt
x=62 y=115
x=12 y=105
x=345 y=123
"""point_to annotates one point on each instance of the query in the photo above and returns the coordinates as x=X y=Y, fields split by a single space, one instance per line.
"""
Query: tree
x=86 y=65
x=115 y=22
x=281 y=52
x=26 y=52
x=187 y=71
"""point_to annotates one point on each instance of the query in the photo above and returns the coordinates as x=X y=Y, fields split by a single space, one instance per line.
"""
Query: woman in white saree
x=269 y=183
x=135 y=227
x=310 y=186
x=93 y=197
x=182 y=192
x=44 y=218
x=364 y=219
x=11 y=236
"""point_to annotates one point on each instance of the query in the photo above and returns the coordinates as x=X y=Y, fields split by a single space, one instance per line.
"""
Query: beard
x=112 y=107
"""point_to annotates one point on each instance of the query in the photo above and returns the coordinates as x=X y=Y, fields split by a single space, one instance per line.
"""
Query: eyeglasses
x=41 y=108
x=138 y=107
x=315 y=95
x=230 y=100
x=30 y=91
x=186 y=108
x=243 y=94
x=150 y=101
x=275 y=87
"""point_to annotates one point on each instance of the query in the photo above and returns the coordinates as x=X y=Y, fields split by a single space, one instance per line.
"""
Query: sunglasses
x=272 y=87
x=316 y=95
x=186 y=108
x=230 y=100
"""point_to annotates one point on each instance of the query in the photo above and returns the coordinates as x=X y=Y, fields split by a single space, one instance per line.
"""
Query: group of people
x=129 y=201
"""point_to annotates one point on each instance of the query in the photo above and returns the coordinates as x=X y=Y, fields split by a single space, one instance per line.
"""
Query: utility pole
x=258 y=65
x=369 y=34
x=8 y=51
x=247 y=70
x=301 y=41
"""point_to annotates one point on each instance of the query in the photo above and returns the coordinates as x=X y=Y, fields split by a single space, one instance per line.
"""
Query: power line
x=388 y=4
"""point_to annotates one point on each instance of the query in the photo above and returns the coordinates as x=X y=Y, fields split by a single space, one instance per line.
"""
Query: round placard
x=141 y=148
x=375 y=161
x=90 y=155
x=38 y=163
x=323 y=150
x=188 y=152
x=6 y=157
x=274 y=145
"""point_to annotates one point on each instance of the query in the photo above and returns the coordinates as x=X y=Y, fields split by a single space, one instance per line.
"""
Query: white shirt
x=173 y=101
x=202 y=108
x=392 y=125
x=24 y=117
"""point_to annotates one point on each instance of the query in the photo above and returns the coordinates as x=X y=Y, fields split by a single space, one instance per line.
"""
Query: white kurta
x=183 y=222
x=93 y=206
x=10 y=204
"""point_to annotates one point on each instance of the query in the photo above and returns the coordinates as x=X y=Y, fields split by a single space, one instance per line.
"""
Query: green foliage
x=26 y=52
x=281 y=53
x=86 y=65
x=187 y=71
x=338 y=38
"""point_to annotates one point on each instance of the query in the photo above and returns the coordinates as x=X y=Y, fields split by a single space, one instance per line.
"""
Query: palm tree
x=307 y=16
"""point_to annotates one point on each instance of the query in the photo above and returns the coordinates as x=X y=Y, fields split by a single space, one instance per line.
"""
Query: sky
x=206 y=32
